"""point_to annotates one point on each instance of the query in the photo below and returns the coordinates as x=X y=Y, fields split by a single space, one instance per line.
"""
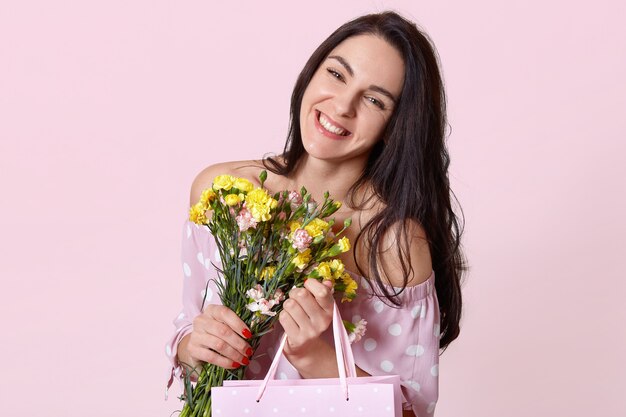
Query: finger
x=206 y=323
x=226 y=334
x=289 y=324
x=221 y=347
x=228 y=317
x=321 y=292
x=204 y=354
x=308 y=302
x=301 y=306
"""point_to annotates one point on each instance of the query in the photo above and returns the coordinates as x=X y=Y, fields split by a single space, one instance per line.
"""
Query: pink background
x=109 y=109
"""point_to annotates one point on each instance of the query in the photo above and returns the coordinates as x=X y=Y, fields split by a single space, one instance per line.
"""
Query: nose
x=344 y=103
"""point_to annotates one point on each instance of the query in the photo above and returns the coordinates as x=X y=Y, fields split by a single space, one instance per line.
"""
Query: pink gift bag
x=346 y=396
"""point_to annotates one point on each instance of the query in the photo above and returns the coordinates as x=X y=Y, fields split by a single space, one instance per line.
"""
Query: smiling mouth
x=329 y=126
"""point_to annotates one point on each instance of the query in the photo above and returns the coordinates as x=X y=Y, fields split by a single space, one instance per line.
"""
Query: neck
x=319 y=176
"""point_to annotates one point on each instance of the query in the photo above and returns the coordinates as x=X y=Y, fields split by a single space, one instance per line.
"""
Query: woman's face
x=350 y=99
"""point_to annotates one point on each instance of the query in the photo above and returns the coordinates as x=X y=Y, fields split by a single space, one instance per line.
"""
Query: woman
x=367 y=125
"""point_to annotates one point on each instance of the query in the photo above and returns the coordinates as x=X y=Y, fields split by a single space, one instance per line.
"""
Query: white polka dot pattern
x=414 y=385
x=386 y=366
x=414 y=350
x=395 y=329
x=369 y=345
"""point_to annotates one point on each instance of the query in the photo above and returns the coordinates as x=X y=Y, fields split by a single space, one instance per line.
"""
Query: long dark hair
x=407 y=168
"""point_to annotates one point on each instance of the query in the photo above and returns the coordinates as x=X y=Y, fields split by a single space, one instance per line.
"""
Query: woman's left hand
x=306 y=315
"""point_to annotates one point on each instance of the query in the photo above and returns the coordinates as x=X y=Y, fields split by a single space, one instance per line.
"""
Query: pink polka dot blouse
x=402 y=341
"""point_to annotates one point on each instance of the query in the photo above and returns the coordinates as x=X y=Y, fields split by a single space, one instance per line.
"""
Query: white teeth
x=328 y=126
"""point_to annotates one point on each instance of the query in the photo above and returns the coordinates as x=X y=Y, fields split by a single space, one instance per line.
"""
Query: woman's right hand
x=217 y=338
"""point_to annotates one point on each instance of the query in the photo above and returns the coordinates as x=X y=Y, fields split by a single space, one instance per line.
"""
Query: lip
x=325 y=132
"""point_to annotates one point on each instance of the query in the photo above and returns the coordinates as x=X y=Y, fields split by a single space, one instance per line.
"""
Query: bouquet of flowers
x=268 y=244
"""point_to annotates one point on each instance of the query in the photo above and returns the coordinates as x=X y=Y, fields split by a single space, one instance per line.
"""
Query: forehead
x=373 y=60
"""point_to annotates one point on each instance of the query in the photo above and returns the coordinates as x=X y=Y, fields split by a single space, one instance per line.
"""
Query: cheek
x=376 y=124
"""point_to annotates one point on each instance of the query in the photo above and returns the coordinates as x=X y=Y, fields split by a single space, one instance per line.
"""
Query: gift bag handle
x=343 y=352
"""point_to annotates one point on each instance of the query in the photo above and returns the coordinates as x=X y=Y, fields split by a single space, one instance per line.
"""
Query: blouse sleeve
x=198 y=255
x=402 y=341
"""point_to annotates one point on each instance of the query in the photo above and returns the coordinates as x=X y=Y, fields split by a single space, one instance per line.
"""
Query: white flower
x=358 y=332
x=260 y=303
x=255 y=293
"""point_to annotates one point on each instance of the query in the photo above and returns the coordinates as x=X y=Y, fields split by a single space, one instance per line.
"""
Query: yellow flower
x=197 y=213
x=243 y=185
x=208 y=196
x=344 y=244
x=316 y=227
x=303 y=259
x=337 y=204
x=268 y=272
x=223 y=182
x=293 y=226
x=259 y=203
x=337 y=268
x=351 y=287
x=323 y=269
x=232 y=199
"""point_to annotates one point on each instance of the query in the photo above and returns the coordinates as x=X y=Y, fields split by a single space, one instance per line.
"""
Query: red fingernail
x=245 y=361
x=236 y=365
x=246 y=333
x=249 y=352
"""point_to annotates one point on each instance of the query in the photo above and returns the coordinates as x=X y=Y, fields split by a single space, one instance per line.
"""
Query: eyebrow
x=373 y=87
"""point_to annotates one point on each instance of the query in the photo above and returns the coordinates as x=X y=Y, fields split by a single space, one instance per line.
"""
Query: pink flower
x=359 y=331
x=245 y=220
x=294 y=198
x=279 y=296
x=301 y=239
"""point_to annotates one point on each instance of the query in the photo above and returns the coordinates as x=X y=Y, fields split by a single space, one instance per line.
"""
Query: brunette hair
x=407 y=168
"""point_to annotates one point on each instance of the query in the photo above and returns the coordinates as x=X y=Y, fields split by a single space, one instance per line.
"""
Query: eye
x=335 y=74
x=376 y=102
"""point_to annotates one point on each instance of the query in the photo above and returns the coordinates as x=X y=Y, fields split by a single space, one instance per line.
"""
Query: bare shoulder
x=249 y=169
x=405 y=239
